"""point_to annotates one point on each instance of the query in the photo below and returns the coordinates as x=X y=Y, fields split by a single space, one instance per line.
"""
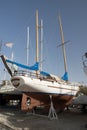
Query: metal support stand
x=52 y=113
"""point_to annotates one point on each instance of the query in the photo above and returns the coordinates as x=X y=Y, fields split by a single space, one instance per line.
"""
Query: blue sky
x=17 y=15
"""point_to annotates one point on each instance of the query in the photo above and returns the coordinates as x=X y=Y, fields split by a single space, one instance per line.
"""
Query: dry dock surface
x=17 y=120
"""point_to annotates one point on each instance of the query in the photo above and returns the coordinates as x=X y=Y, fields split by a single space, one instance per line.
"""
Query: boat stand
x=52 y=113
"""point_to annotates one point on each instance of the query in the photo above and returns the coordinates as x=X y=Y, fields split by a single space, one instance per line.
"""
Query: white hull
x=36 y=85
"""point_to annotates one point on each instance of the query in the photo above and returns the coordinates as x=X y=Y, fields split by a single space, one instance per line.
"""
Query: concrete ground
x=17 y=120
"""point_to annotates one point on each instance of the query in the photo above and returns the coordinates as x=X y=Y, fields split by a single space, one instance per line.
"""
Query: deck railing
x=34 y=75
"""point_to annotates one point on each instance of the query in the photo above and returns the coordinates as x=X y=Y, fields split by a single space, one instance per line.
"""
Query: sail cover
x=44 y=73
x=65 y=76
x=34 y=67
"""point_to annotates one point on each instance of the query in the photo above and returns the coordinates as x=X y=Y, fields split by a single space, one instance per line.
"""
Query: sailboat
x=84 y=61
x=38 y=86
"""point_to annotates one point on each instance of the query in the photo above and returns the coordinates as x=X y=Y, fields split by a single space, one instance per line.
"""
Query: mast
x=27 y=45
x=41 y=45
x=63 y=47
x=37 y=48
